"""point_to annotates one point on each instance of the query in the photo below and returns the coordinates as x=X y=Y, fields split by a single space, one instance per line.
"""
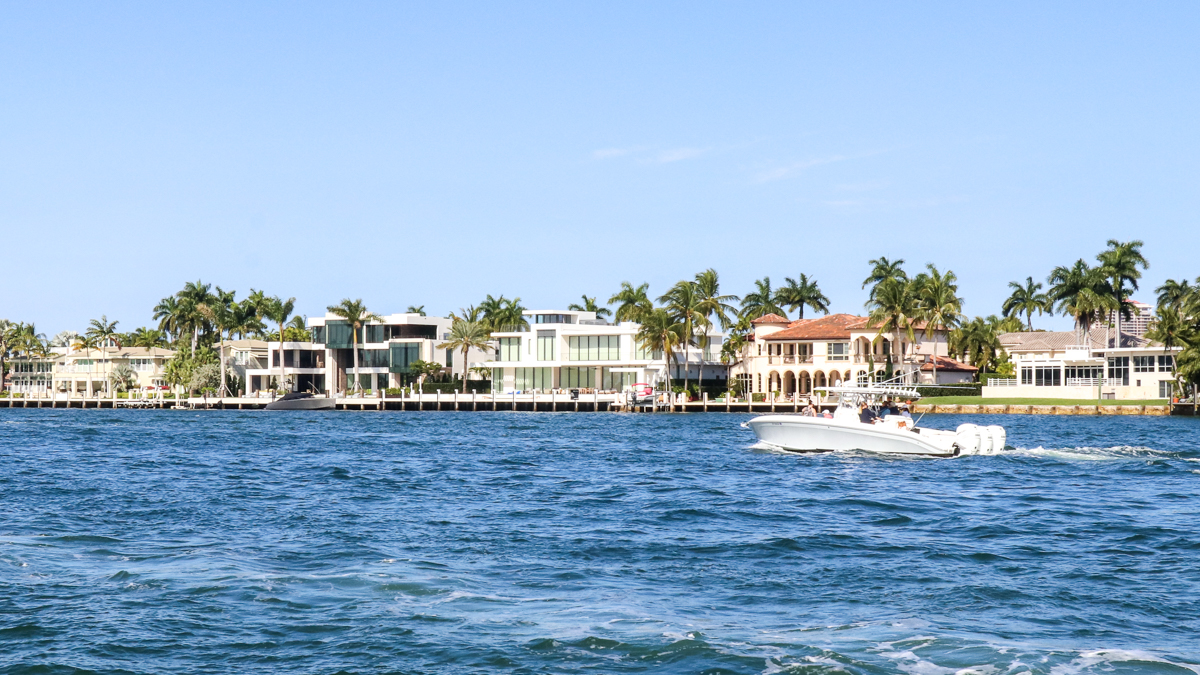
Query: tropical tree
x=8 y=334
x=465 y=336
x=976 y=342
x=939 y=306
x=104 y=331
x=795 y=295
x=501 y=314
x=278 y=310
x=416 y=309
x=357 y=315
x=193 y=309
x=255 y=306
x=170 y=316
x=1177 y=326
x=660 y=332
x=470 y=313
x=589 y=305
x=297 y=330
x=223 y=312
x=1081 y=292
x=1027 y=299
x=633 y=304
x=714 y=307
x=148 y=337
x=422 y=369
x=85 y=343
x=1174 y=294
x=882 y=270
x=682 y=302
x=761 y=301
x=63 y=338
x=1119 y=264
x=122 y=378
x=895 y=308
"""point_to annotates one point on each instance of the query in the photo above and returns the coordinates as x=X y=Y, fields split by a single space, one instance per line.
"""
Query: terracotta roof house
x=794 y=358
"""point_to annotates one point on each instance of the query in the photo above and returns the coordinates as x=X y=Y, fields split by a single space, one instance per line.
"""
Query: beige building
x=794 y=357
x=1055 y=365
x=86 y=373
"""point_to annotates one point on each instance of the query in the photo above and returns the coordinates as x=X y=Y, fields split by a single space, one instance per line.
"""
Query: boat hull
x=314 y=403
x=817 y=434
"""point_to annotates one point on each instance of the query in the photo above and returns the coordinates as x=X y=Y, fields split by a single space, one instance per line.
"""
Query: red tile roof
x=948 y=364
x=770 y=318
x=832 y=327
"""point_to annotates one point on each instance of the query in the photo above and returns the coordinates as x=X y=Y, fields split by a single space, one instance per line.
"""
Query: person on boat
x=809 y=410
x=866 y=415
x=885 y=409
x=905 y=412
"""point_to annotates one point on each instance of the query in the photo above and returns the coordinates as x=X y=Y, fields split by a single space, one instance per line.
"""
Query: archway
x=789 y=382
x=835 y=378
x=804 y=383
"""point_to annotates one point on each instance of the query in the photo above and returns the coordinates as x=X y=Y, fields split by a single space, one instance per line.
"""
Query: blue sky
x=431 y=153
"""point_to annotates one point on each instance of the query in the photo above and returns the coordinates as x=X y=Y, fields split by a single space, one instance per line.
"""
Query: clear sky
x=431 y=153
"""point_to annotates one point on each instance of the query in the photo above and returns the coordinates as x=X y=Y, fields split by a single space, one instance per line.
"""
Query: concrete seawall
x=986 y=409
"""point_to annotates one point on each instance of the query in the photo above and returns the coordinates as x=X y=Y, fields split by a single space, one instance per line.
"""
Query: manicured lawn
x=979 y=400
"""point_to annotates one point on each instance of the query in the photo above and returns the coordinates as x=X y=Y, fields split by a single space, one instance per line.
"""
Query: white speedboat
x=892 y=434
x=302 y=401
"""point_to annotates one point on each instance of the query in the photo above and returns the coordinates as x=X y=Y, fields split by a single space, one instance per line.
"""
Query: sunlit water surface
x=222 y=542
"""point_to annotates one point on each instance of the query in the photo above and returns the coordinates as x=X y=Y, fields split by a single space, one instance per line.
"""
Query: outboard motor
x=999 y=437
x=968 y=439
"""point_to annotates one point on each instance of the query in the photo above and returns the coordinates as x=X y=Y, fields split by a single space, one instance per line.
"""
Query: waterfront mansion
x=1056 y=365
x=794 y=357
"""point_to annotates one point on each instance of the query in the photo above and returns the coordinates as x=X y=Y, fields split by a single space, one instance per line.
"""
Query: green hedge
x=971 y=389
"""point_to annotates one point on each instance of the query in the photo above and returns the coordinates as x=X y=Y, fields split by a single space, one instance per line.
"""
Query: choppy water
x=221 y=542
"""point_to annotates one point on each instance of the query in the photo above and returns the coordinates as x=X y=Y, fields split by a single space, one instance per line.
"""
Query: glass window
x=1143 y=364
x=403 y=354
x=837 y=351
x=577 y=378
x=594 y=348
x=1166 y=364
x=338 y=333
x=532 y=379
x=545 y=345
x=318 y=334
x=1166 y=388
x=616 y=381
x=1047 y=376
x=449 y=358
x=509 y=349
x=553 y=318
x=376 y=333
x=1118 y=370
x=497 y=380
x=1084 y=372
x=1027 y=375
x=643 y=354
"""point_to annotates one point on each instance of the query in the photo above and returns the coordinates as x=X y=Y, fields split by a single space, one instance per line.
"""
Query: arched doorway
x=804 y=383
x=789 y=382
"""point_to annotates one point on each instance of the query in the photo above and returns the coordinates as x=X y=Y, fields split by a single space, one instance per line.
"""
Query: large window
x=1084 y=372
x=1166 y=388
x=1027 y=375
x=1144 y=364
x=403 y=354
x=577 y=378
x=616 y=381
x=545 y=345
x=509 y=350
x=372 y=358
x=497 y=380
x=318 y=334
x=837 y=351
x=531 y=379
x=594 y=348
x=1047 y=376
x=643 y=354
x=1166 y=364
x=553 y=318
x=1118 y=370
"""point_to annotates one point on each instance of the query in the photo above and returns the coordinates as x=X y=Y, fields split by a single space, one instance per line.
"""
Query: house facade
x=1061 y=365
x=569 y=349
x=795 y=357
x=86 y=373
x=386 y=348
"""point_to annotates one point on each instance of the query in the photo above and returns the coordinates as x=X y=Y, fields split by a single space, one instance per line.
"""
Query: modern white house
x=794 y=357
x=569 y=349
x=386 y=348
x=1057 y=365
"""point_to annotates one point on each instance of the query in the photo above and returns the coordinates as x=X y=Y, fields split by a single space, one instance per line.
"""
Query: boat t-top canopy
x=873 y=390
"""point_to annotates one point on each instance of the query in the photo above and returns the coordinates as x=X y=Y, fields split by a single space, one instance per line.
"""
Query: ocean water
x=252 y=542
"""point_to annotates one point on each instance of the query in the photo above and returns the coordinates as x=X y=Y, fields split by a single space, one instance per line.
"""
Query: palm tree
x=148 y=337
x=1119 y=264
x=470 y=313
x=223 y=312
x=1026 y=300
x=975 y=341
x=170 y=316
x=682 y=302
x=660 y=332
x=501 y=314
x=893 y=308
x=796 y=294
x=589 y=305
x=1174 y=293
x=122 y=378
x=193 y=304
x=940 y=306
x=278 y=310
x=104 y=331
x=883 y=269
x=465 y=336
x=1082 y=292
x=356 y=314
x=416 y=309
x=8 y=334
x=712 y=305
x=761 y=301
x=633 y=304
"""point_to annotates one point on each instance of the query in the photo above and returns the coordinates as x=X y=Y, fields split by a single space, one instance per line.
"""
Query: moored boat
x=302 y=401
